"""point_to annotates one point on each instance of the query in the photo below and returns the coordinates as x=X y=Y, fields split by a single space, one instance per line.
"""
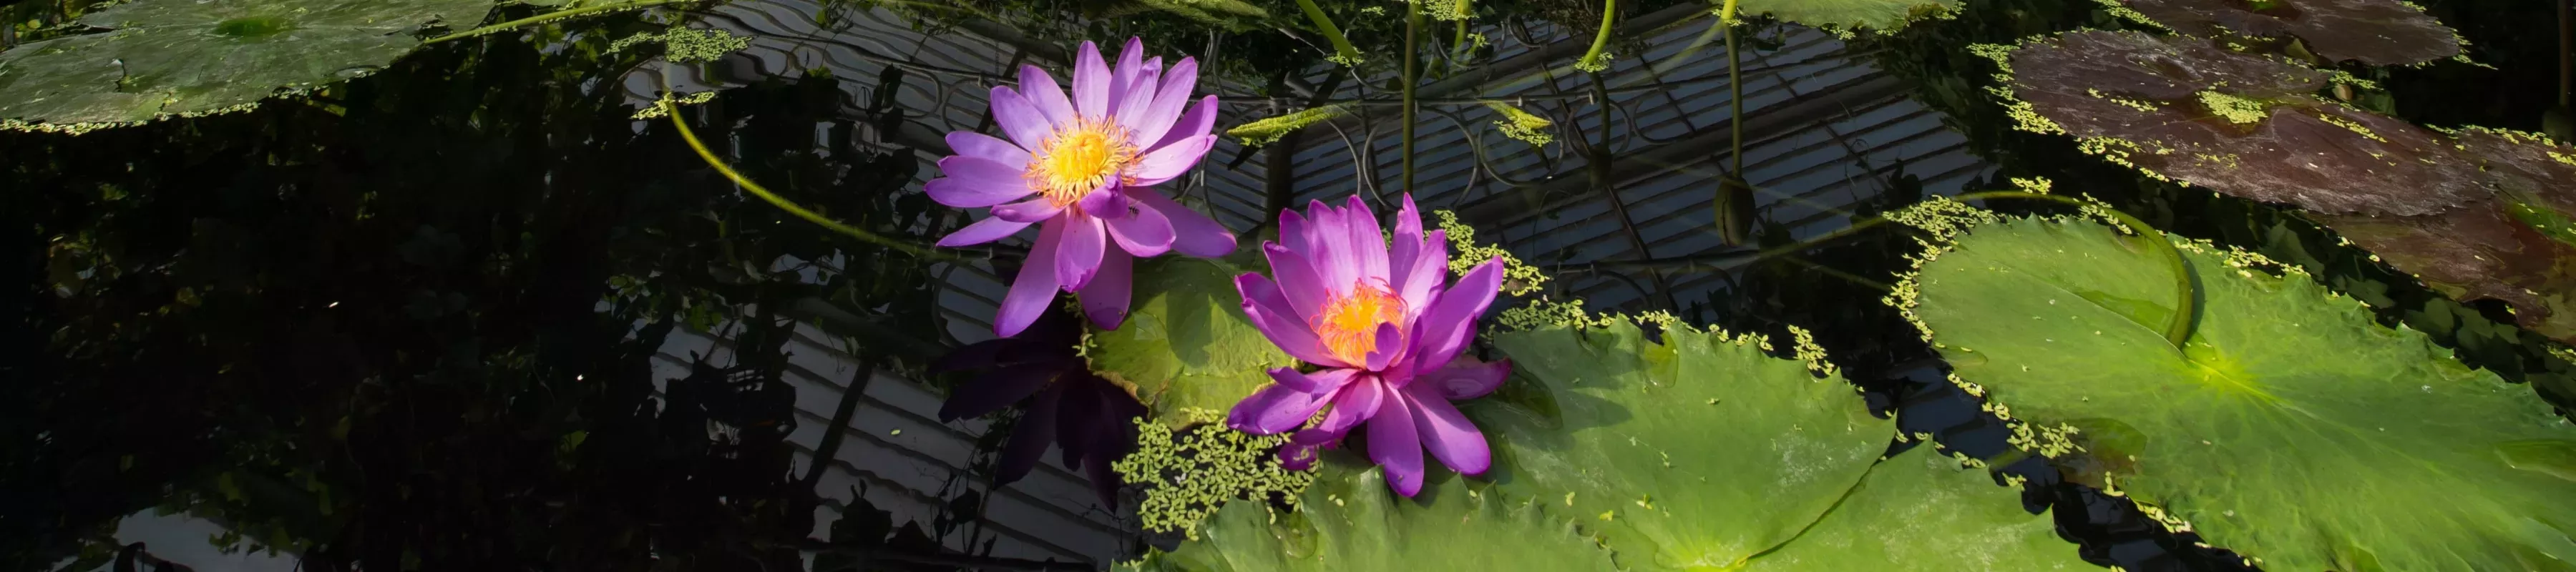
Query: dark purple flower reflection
x=1062 y=402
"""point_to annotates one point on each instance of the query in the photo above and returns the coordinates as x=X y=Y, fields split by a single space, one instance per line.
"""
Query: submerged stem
x=673 y=110
x=1592 y=58
x=1343 y=52
x=1412 y=75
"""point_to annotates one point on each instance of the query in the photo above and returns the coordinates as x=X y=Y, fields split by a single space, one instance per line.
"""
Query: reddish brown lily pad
x=2375 y=32
x=2242 y=124
x=2478 y=252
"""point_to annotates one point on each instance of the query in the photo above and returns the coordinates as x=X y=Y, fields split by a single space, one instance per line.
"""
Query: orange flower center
x=1078 y=159
x=1348 y=324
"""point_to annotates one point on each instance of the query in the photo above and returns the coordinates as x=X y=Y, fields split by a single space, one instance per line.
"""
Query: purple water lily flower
x=1089 y=159
x=1386 y=332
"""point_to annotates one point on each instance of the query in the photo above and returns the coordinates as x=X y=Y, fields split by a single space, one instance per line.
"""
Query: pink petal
x=1079 y=256
x=1193 y=234
x=1105 y=203
x=1357 y=402
x=1041 y=91
x=1156 y=119
x=981 y=146
x=1028 y=211
x=1447 y=433
x=983 y=231
x=1329 y=230
x=1466 y=378
x=1276 y=409
x=1143 y=232
x=1034 y=288
x=1019 y=119
x=1367 y=240
x=1297 y=281
x=972 y=183
x=1201 y=120
x=1415 y=281
x=1321 y=382
x=1441 y=332
x=1393 y=445
x=1090 y=82
x=1170 y=162
x=1292 y=232
x=997 y=389
x=1131 y=63
x=1105 y=299
x=1029 y=442
x=1390 y=345
x=1270 y=312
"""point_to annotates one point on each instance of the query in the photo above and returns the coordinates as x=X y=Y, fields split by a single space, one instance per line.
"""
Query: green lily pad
x=1926 y=511
x=1351 y=521
x=1186 y=343
x=1674 y=441
x=162 y=58
x=2292 y=428
x=1699 y=452
x=1881 y=15
x=1703 y=451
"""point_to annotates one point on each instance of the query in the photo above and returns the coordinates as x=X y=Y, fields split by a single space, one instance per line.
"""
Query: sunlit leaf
x=2375 y=32
x=1186 y=342
x=2241 y=124
x=1698 y=452
x=2293 y=429
x=1882 y=15
x=159 y=58
x=1350 y=521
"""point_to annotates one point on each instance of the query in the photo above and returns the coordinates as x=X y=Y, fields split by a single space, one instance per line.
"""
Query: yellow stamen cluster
x=1078 y=159
x=1348 y=324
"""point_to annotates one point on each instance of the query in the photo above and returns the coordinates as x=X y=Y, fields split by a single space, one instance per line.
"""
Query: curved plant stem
x=1342 y=48
x=1412 y=75
x=1592 y=58
x=552 y=16
x=2177 y=328
x=673 y=110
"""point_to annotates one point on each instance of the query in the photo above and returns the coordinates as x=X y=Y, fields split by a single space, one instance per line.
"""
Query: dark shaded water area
x=470 y=312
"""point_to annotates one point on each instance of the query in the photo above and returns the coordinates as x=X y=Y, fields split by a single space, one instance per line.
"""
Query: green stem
x=551 y=16
x=1342 y=48
x=673 y=110
x=1412 y=75
x=1726 y=14
x=1592 y=58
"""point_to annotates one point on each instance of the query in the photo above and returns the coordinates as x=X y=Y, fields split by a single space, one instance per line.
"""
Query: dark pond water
x=468 y=313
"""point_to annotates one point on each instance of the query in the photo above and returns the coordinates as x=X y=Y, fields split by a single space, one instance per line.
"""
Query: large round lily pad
x=2242 y=124
x=1882 y=15
x=159 y=58
x=1696 y=453
x=1704 y=452
x=2291 y=428
x=1186 y=343
x=2375 y=32
x=1352 y=521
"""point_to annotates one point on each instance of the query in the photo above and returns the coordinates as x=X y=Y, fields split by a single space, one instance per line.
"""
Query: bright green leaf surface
x=1883 y=15
x=1921 y=511
x=1702 y=450
x=1350 y=521
x=2294 y=430
x=170 y=57
x=1186 y=343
